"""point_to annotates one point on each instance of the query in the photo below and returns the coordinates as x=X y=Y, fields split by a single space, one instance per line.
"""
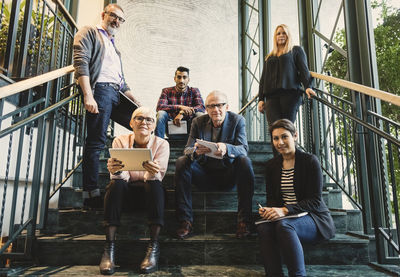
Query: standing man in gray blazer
x=98 y=70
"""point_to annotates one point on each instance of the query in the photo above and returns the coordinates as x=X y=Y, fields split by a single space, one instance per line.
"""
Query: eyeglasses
x=140 y=119
x=218 y=105
x=114 y=16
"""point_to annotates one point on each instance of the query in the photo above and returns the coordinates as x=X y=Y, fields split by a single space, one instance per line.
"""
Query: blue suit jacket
x=233 y=134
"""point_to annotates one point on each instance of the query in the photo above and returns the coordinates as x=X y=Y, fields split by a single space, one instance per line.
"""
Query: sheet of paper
x=212 y=145
x=175 y=130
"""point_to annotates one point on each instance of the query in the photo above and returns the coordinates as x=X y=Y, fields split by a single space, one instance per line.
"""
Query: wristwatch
x=182 y=112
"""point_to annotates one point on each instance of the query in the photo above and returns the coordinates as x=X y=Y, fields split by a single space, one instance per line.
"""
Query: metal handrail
x=65 y=12
x=380 y=94
x=37 y=115
x=34 y=81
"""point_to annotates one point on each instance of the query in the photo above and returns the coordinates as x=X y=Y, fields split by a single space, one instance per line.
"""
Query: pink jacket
x=159 y=149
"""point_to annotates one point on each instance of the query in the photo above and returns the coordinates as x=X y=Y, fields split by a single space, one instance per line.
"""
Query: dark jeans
x=107 y=99
x=119 y=191
x=284 y=238
x=240 y=174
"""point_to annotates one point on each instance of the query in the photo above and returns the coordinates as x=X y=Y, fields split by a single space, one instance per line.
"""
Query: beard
x=111 y=30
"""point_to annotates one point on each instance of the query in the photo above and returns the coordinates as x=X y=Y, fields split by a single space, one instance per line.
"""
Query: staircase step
x=259 y=181
x=258 y=164
x=71 y=197
x=198 y=250
x=354 y=220
x=333 y=198
x=215 y=200
x=198 y=270
x=135 y=223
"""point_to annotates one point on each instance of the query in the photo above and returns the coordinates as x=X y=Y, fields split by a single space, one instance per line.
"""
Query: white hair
x=217 y=93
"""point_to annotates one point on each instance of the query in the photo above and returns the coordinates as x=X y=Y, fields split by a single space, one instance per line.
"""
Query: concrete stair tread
x=198 y=270
x=77 y=212
x=217 y=249
x=339 y=238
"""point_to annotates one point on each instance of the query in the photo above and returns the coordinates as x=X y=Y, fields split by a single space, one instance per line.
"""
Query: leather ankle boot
x=107 y=266
x=150 y=262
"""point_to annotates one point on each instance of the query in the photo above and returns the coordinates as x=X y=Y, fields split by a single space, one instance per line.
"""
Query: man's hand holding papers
x=211 y=149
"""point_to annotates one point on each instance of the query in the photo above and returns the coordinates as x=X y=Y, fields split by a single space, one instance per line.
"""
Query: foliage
x=387 y=46
x=35 y=33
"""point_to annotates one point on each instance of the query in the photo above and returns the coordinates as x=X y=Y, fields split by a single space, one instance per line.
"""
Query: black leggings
x=285 y=106
x=119 y=190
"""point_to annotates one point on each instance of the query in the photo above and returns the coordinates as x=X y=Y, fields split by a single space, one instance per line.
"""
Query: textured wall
x=160 y=35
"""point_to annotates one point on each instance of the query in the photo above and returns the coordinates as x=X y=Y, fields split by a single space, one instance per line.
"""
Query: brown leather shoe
x=185 y=230
x=243 y=230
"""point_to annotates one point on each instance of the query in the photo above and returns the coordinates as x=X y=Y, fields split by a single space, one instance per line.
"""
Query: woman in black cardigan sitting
x=293 y=185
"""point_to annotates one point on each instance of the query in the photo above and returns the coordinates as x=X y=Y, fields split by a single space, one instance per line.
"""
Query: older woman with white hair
x=122 y=182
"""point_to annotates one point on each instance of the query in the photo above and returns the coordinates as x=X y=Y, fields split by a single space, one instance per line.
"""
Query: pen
x=259 y=205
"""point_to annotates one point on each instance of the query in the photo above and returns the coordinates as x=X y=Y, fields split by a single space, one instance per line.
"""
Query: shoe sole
x=185 y=237
x=108 y=272
x=149 y=270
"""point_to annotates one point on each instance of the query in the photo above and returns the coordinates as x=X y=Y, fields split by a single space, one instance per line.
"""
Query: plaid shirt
x=170 y=100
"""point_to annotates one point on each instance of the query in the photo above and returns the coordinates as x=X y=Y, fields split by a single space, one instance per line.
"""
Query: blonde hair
x=143 y=110
x=288 y=46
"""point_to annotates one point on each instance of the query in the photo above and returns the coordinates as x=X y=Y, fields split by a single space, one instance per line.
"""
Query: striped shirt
x=287 y=188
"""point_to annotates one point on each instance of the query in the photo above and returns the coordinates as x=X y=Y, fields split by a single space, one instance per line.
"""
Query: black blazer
x=308 y=189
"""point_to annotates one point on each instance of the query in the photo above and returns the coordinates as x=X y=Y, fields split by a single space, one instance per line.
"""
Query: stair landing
x=200 y=270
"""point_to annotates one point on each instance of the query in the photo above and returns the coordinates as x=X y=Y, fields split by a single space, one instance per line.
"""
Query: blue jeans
x=162 y=120
x=107 y=99
x=239 y=173
x=283 y=239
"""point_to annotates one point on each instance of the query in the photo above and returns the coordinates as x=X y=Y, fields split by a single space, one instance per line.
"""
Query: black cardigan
x=307 y=183
x=285 y=72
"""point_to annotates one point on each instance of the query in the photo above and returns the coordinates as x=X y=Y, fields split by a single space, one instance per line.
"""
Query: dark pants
x=107 y=99
x=284 y=238
x=119 y=191
x=285 y=106
x=240 y=174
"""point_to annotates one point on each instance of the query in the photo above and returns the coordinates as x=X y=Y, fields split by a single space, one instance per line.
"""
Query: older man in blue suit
x=223 y=168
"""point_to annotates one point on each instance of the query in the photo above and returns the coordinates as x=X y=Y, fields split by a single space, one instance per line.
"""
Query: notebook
x=282 y=217
x=175 y=130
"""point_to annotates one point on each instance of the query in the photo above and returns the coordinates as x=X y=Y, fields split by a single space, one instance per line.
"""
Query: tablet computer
x=132 y=158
